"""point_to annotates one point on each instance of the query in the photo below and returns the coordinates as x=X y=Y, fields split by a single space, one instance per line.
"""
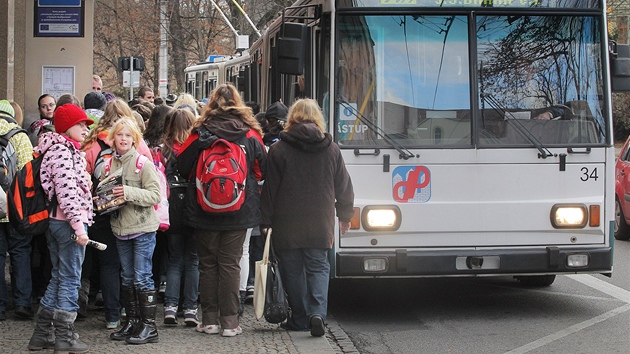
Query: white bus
x=478 y=134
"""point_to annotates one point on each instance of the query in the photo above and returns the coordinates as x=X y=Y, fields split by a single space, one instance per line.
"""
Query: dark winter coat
x=227 y=125
x=305 y=182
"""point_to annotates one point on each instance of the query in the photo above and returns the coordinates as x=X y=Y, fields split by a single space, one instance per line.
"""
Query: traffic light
x=124 y=63
x=138 y=63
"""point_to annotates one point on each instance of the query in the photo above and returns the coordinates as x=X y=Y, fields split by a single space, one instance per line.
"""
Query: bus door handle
x=375 y=152
x=574 y=151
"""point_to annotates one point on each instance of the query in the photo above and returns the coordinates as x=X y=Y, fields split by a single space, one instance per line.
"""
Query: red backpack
x=220 y=177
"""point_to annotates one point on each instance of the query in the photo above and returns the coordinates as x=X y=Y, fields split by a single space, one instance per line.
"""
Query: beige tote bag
x=260 y=279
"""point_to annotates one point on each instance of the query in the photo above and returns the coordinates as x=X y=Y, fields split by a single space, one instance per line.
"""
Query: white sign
x=57 y=80
x=136 y=78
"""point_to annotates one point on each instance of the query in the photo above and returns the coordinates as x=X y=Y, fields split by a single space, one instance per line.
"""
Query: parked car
x=622 y=193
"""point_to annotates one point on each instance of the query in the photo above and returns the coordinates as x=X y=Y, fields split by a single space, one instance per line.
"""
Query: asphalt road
x=576 y=314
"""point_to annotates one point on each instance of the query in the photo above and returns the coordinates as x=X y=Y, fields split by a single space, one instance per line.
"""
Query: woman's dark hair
x=154 y=133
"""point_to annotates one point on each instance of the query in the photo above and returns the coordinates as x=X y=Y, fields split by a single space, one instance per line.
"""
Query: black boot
x=66 y=341
x=132 y=322
x=84 y=293
x=148 y=331
x=43 y=334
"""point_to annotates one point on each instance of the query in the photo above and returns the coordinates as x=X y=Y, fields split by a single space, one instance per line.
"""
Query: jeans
x=19 y=248
x=183 y=259
x=244 y=263
x=160 y=258
x=256 y=248
x=219 y=275
x=305 y=275
x=66 y=257
x=109 y=269
x=136 y=261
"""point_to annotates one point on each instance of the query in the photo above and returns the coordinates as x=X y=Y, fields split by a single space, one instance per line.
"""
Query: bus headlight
x=569 y=216
x=381 y=218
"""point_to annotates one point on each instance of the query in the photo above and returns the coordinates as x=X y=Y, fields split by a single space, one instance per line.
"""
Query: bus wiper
x=544 y=152
x=403 y=152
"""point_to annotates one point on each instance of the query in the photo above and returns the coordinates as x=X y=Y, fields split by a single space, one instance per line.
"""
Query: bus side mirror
x=619 y=66
x=292 y=49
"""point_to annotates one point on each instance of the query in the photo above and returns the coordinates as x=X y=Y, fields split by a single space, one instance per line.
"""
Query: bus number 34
x=588 y=174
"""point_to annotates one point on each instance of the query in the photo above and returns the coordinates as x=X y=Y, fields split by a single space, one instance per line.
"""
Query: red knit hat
x=68 y=115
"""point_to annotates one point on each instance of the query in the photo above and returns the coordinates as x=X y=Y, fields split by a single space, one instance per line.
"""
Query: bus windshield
x=536 y=80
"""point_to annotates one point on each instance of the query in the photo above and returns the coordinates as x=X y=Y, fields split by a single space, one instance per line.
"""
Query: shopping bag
x=260 y=279
x=276 y=303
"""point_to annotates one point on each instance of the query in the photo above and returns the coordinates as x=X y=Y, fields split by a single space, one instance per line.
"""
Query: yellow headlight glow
x=569 y=216
x=381 y=217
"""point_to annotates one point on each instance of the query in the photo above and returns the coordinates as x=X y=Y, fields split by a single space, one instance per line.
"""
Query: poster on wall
x=59 y=18
x=57 y=80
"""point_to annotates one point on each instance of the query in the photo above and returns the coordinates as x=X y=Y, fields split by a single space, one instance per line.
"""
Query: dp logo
x=411 y=184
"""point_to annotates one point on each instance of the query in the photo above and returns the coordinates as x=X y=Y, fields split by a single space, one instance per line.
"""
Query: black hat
x=94 y=100
x=170 y=99
x=277 y=110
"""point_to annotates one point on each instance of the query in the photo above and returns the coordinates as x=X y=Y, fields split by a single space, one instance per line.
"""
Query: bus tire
x=622 y=231
x=536 y=281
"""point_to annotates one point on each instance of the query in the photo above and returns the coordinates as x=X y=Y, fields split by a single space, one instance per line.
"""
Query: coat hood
x=306 y=136
x=226 y=124
x=49 y=139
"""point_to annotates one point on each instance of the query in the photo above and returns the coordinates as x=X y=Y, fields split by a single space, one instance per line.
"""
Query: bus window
x=541 y=75
x=392 y=81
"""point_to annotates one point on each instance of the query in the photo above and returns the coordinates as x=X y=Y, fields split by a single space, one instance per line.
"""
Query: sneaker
x=161 y=291
x=249 y=295
x=170 y=315
x=190 y=318
x=232 y=332
x=317 y=326
x=123 y=312
x=209 y=329
x=112 y=325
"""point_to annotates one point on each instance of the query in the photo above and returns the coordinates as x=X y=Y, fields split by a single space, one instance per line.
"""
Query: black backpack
x=27 y=204
x=8 y=158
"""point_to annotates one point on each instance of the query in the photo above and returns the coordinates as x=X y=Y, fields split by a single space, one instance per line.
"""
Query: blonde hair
x=226 y=98
x=126 y=122
x=113 y=111
x=185 y=98
x=305 y=110
x=19 y=114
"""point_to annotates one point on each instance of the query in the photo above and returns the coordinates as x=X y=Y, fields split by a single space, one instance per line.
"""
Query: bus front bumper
x=405 y=262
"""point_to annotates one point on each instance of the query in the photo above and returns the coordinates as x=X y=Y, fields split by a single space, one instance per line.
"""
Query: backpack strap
x=4 y=139
x=140 y=162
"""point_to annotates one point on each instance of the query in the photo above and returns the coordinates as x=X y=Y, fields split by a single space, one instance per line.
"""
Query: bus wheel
x=622 y=231
x=536 y=280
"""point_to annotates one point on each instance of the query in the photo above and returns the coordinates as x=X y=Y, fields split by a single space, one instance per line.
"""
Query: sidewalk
x=257 y=337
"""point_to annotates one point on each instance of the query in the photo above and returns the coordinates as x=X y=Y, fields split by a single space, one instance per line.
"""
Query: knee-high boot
x=148 y=330
x=129 y=300
x=42 y=337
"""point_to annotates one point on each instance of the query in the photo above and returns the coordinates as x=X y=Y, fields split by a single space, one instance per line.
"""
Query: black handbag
x=276 y=304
